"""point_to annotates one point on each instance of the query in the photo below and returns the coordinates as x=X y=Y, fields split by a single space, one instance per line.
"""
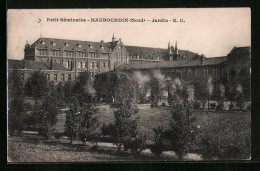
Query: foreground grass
x=228 y=127
x=31 y=148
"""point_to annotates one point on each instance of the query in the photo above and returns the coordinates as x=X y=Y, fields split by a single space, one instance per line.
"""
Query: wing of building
x=63 y=60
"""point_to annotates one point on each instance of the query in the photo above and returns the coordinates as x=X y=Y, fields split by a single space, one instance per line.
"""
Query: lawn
x=232 y=127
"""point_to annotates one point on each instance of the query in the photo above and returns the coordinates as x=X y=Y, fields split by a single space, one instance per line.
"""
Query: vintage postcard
x=100 y=85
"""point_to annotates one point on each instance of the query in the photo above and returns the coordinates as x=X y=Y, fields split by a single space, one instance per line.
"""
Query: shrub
x=136 y=145
x=16 y=116
x=161 y=142
x=196 y=105
x=218 y=140
x=231 y=106
x=125 y=124
x=212 y=105
x=108 y=130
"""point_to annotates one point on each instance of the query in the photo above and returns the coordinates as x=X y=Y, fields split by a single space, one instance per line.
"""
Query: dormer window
x=53 y=43
x=120 y=47
x=66 y=44
x=79 y=45
x=43 y=42
x=90 y=46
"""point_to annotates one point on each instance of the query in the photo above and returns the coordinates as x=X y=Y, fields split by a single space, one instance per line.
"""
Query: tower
x=113 y=38
x=176 y=49
x=170 y=54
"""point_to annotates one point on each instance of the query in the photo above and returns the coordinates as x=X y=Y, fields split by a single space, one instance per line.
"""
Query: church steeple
x=113 y=38
x=176 y=49
x=169 y=48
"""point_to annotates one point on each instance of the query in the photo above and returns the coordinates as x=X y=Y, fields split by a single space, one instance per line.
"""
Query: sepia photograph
x=128 y=85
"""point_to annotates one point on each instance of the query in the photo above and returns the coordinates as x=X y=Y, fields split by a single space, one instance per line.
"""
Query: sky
x=209 y=31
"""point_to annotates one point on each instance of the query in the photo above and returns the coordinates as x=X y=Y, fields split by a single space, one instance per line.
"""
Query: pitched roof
x=148 y=51
x=35 y=65
x=240 y=50
x=74 y=44
x=137 y=50
x=175 y=64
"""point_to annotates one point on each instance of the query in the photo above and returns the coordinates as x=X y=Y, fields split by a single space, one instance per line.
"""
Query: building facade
x=63 y=60
x=78 y=56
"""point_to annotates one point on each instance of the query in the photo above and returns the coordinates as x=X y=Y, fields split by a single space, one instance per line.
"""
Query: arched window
x=232 y=74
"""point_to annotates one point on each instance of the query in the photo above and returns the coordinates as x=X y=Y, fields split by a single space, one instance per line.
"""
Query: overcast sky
x=210 y=31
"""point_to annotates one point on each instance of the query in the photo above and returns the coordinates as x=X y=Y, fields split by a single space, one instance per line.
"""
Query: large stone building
x=63 y=60
x=78 y=56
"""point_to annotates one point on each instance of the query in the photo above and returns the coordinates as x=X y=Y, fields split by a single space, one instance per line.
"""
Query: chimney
x=202 y=59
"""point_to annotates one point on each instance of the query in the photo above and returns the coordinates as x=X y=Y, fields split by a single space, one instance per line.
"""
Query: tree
x=83 y=88
x=220 y=96
x=179 y=132
x=45 y=115
x=36 y=86
x=201 y=93
x=158 y=85
x=15 y=85
x=16 y=116
x=89 y=128
x=69 y=93
x=125 y=124
x=239 y=97
x=209 y=89
x=16 y=105
x=72 y=122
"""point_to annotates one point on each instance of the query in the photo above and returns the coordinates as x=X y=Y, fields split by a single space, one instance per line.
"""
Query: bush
x=161 y=142
x=136 y=145
x=196 y=105
x=212 y=105
x=218 y=108
x=108 y=130
x=231 y=106
x=219 y=141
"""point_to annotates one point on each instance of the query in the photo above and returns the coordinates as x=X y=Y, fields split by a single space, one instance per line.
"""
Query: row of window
x=224 y=72
x=85 y=64
x=55 y=77
x=44 y=52
x=205 y=73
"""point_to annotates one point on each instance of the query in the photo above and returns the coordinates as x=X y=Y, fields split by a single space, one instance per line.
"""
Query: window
x=43 y=42
x=53 y=44
x=83 y=65
x=92 y=65
x=206 y=72
x=62 y=77
x=43 y=52
x=48 y=77
x=91 y=74
x=31 y=75
x=96 y=65
x=79 y=64
x=104 y=65
x=22 y=76
x=189 y=73
x=68 y=64
x=69 y=77
x=55 y=77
